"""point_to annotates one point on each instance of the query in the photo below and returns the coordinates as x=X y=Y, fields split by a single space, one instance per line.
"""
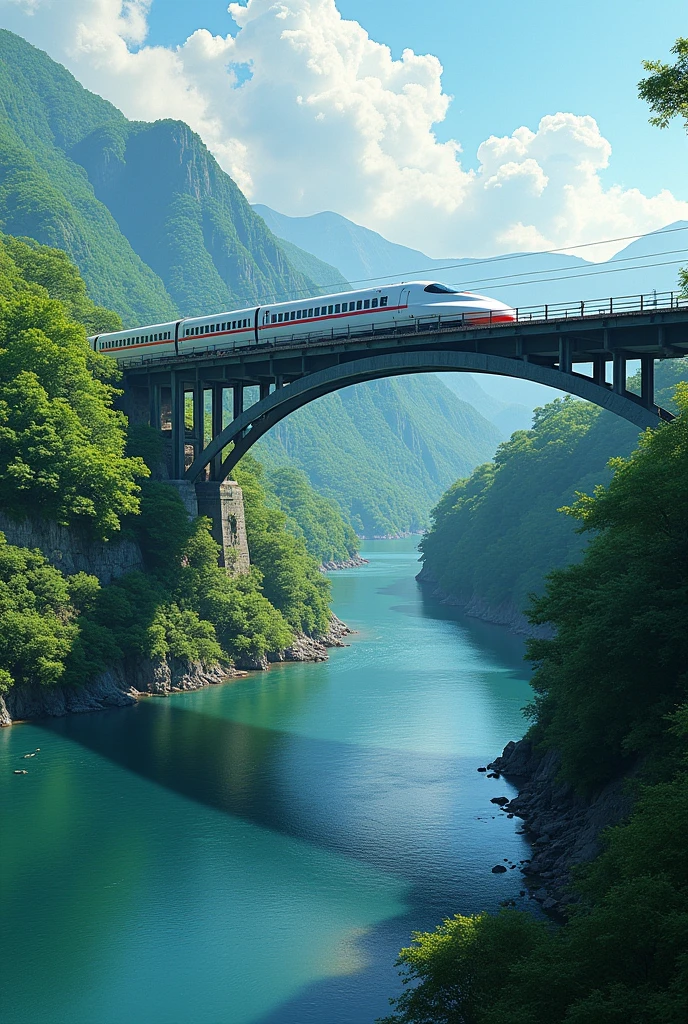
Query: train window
x=359 y=304
x=383 y=300
x=212 y=328
x=337 y=308
x=440 y=289
x=316 y=311
x=345 y=306
x=274 y=318
x=293 y=314
x=279 y=318
x=374 y=303
x=310 y=312
x=329 y=309
x=366 y=303
x=217 y=327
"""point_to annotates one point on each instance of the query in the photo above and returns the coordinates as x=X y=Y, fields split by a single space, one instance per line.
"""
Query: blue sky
x=508 y=63
x=357 y=115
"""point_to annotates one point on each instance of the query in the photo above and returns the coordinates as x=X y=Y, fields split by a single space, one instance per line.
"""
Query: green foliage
x=45 y=194
x=498 y=533
x=292 y=581
x=314 y=519
x=666 y=88
x=622 y=958
x=62 y=446
x=617 y=665
x=37 y=630
x=611 y=685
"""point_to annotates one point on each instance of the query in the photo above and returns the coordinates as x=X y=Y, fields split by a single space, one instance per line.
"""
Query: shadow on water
x=266 y=777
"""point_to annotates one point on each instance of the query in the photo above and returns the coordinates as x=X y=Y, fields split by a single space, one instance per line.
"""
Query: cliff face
x=506 y=613
x=563 y=826
x=73 y=551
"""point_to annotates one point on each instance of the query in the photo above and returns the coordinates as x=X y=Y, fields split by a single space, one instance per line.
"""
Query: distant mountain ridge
x=521 y=279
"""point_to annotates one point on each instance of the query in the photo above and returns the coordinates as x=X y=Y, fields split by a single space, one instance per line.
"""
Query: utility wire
x=617 y=270
x=518 y=256
x=565 y=271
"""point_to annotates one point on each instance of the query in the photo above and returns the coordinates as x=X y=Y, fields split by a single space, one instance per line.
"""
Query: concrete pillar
x=599 y=371
x=198 y=417
x=154 y=406
x=178 y=427
x=238 y=406
x=217 y=393
x=565 y=355
x=647 y=381
x=187 y=492
x=264 y=389
x=619 y=373
x=223 y=503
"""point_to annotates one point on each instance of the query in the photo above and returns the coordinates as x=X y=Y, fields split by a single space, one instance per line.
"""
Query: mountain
x=383 y=451
x=505 y=415
x=147 y=214
x=521 y=279
x=157 y=228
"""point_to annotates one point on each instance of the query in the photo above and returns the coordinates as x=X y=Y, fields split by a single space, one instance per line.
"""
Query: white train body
x=354 y=311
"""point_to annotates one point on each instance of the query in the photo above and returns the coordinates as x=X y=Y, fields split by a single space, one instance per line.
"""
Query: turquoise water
x=258 y=852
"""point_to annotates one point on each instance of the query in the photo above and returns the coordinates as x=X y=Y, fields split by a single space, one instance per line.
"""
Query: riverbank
x=506 y=613
x=126 y=683
x=563 y=827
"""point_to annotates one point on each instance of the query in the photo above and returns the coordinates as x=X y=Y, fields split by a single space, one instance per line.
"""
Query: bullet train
x=373 y=308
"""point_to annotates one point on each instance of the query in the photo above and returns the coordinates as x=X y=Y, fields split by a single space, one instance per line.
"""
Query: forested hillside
x=496 y=534
x=153 y=223
x=611 y=696
x=383 y=451
x=65 y=456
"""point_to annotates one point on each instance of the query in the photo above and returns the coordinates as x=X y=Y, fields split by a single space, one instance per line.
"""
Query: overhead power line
x=517 y=256
x=615 y=270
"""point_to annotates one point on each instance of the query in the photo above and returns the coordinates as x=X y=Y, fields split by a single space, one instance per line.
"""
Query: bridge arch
x=250 y=425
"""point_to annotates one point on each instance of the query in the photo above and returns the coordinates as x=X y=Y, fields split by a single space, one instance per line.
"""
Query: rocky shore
x=506 y=613
x=563 y=827
x=348 y=563
x=126 y=683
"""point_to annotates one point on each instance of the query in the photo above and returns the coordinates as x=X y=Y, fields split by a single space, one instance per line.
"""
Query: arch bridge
x=581 y=348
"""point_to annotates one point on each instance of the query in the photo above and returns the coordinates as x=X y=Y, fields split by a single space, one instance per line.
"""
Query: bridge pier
x=223 y=503
x=647 y=381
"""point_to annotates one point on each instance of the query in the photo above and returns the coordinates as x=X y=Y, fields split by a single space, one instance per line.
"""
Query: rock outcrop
x=72 y=550
x=348 y=563
x=126 y=682
x=564 y=827
x=119 y=686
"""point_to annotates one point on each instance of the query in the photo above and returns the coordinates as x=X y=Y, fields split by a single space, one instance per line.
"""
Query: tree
x=666 y=92
x=666 y=88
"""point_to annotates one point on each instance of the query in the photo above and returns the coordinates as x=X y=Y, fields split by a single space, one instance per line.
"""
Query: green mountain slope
x=383 y=451
x=45 y=195
x=497 y=534
x=151 y=220
x=186 y=218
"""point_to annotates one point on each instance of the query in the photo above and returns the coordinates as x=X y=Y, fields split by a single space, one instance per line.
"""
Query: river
x=257 y=852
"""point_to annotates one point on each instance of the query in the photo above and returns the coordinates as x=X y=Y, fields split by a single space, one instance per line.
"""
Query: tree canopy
x=611 y=688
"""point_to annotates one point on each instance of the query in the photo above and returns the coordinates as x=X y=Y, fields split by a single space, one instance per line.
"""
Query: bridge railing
x=542 y=313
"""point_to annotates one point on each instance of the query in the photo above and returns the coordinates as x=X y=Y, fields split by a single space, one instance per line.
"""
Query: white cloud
x=308 y=113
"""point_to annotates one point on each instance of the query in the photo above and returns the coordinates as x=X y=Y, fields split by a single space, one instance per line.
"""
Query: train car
x=345 y=312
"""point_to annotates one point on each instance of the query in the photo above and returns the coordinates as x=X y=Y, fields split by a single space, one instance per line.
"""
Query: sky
x=457 y=128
